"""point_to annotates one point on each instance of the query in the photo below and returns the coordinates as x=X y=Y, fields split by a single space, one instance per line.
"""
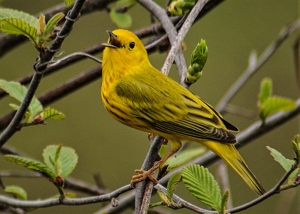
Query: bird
x=138 y=95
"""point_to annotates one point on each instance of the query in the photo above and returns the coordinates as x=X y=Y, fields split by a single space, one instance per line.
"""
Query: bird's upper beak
x=113 y=41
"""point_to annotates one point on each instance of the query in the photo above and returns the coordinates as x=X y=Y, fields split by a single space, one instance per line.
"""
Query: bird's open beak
x=113 y=41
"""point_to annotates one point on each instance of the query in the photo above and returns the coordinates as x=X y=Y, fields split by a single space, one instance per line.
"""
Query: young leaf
x=52 y=114
x=68 y=159
x=153 y=205
x=265 y=90
x=202 y=185
x=31 y=164
x=53 y=21
x=275 y=104
x=185 y=156
x=68 y=2
x=18 y=91
x=122 y=20
x=163 y=197
x=57 y=166
x=19 y=23
x=19 y=191
x=42 y=25
x=14 y=106
x=224 y=201
x=200 y=54
x=174 y=180
x=284 y=162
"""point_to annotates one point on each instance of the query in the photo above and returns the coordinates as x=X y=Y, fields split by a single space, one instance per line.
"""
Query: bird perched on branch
x=138 y=95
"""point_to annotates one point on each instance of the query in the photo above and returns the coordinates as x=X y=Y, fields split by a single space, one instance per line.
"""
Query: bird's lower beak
x=113 y=41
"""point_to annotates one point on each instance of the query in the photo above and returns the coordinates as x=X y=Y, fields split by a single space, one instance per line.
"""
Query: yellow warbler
x=138 y=95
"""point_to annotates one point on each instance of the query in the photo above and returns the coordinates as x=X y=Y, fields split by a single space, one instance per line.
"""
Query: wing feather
x=181 y=114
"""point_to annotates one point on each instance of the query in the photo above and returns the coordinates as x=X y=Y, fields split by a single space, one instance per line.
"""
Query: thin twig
x=274 y=190
x=252 y=69
x=8 y=41
x=44 y=57
x=146 y=198
x=223 y=177
x=69 y=182
x=161 y=15
x=179 y=39
x=66 y=201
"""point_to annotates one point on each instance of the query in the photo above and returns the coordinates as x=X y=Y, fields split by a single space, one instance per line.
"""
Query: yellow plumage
x=138 y=95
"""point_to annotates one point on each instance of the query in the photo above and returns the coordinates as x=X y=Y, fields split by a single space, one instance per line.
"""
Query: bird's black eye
x=131 y=45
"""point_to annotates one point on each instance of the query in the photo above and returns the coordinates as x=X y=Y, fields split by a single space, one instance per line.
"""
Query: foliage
x=270 y=104
x=118 y=13
x=21 y=23
x=182 y=158
x=69 y=2
x=180 y=7
x=198 y=60
x=59 y=161
x=36 y=113
x=204 y=187
x=285 y=163
x=16 y=190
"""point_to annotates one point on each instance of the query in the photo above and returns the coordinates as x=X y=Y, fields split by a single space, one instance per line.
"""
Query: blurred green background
x=232 y=31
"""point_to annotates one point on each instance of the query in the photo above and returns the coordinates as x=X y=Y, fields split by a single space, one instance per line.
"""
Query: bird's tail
x=229 y=153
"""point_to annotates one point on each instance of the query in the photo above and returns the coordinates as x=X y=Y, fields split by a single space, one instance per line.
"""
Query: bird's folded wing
x=180 y=114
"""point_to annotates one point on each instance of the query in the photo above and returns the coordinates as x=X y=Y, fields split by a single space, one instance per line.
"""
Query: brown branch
x=8 y=42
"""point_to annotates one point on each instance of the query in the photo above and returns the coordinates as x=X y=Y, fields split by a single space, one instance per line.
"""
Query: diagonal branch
x=179 y=39
x=253 y=68
x=44 y=57
x=8 y=41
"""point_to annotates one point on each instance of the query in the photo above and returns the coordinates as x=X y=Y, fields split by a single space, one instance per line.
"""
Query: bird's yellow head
x=124 y=50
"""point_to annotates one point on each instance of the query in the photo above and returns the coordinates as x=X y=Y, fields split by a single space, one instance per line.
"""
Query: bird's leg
x=142 y=175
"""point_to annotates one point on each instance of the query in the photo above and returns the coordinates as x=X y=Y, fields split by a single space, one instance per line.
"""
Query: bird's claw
x=143 y=175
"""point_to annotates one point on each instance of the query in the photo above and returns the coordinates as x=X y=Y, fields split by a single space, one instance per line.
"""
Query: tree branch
x=179 y=39
x=8 y=41
x=44 y=57
x=66 y=201
x=256 y=64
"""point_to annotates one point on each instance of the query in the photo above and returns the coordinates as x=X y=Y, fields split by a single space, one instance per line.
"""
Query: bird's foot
x=143 y=175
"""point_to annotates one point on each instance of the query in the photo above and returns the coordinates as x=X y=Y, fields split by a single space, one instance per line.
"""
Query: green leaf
x=202 y=185
x=275 y=104
x=173 y=181
x=57 y=165
x=163 y=197
x=185 y=156
x=19 y=191
x=18 y=91
x=122 y=20
x=14 y=106
x=199 y=55
x=68 y=2
x=31 y=164
x=284 y=162
x=19 y=23
x=153 y=205
x=53 y=22
x=224 y=201
x=68 y=159
x=266 y=88
x=52 y=114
